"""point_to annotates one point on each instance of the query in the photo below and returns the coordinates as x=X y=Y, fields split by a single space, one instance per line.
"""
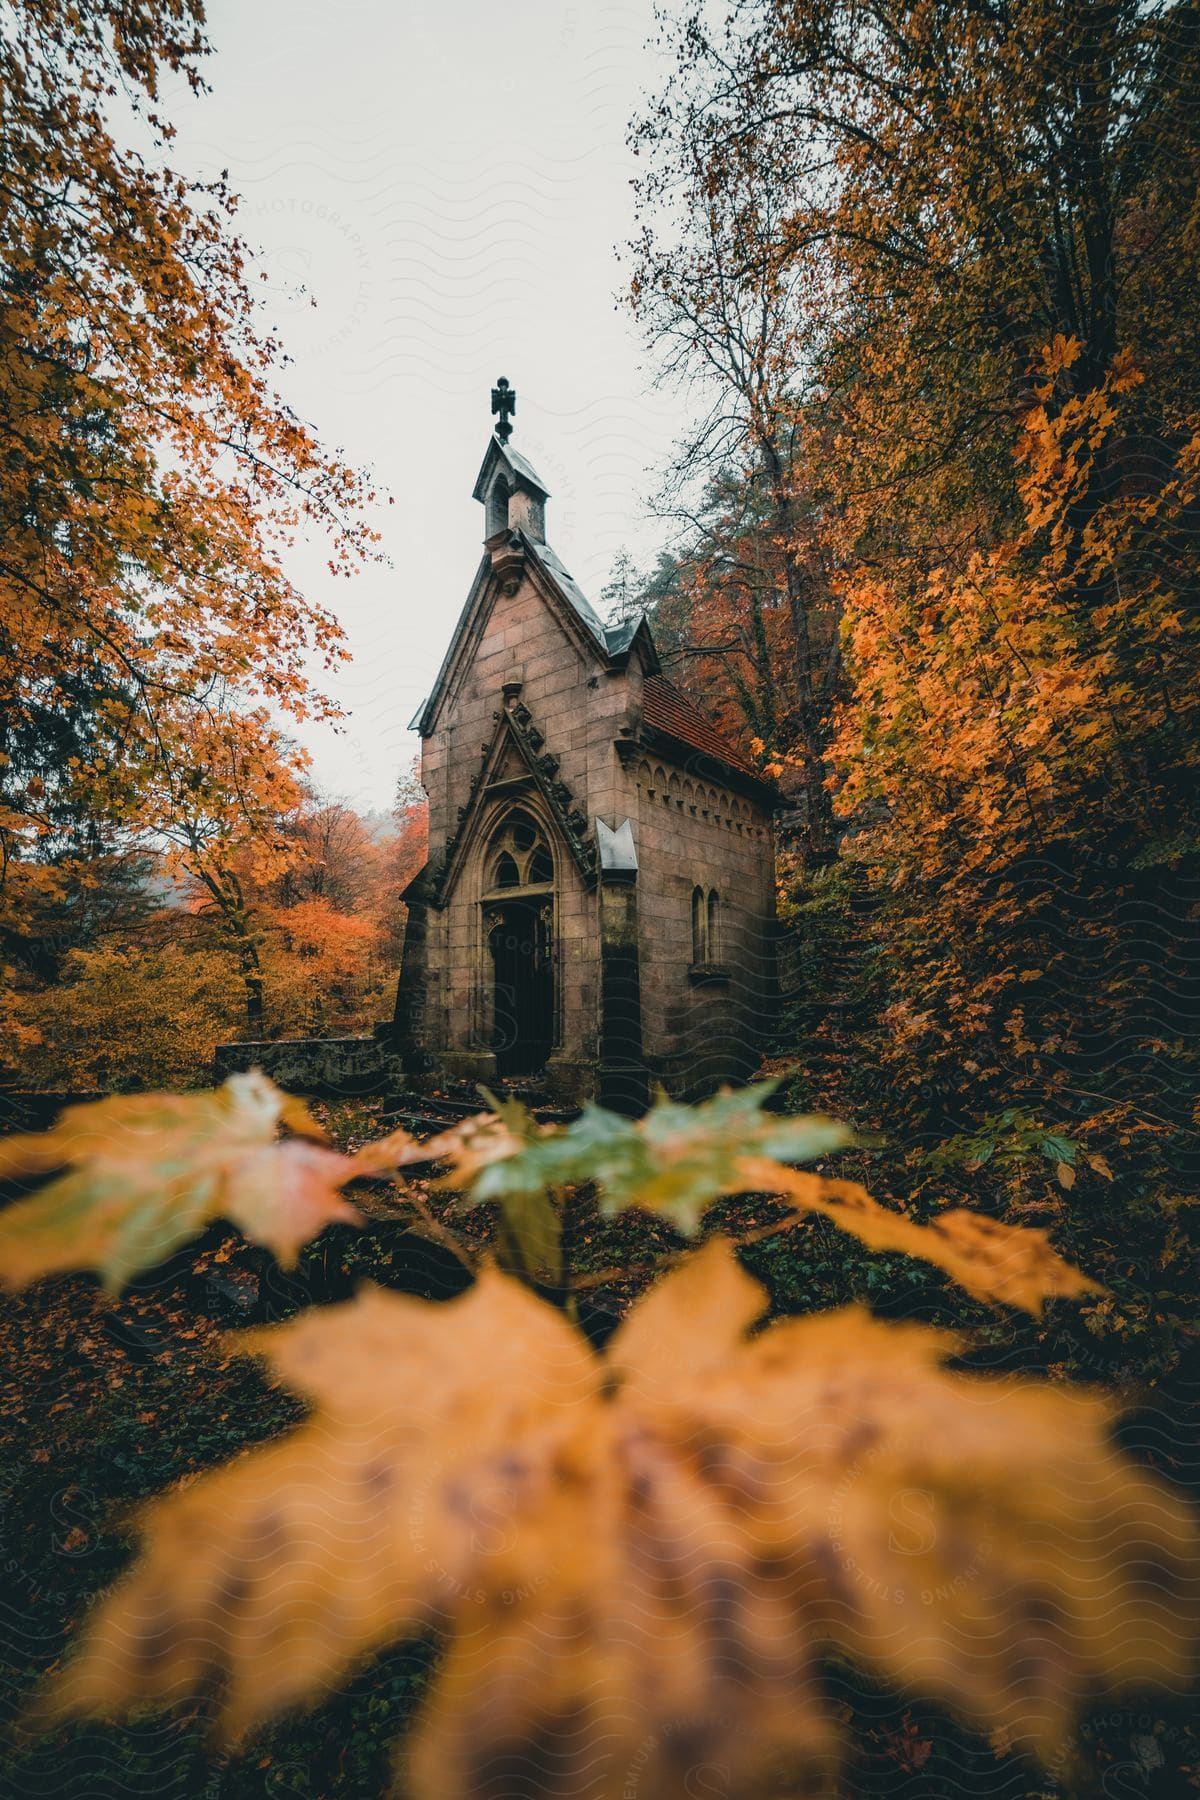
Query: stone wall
x=522 y=643
x=704 y=1019
x=327 y=1068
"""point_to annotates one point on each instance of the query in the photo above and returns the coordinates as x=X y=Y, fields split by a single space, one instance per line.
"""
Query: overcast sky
x=448 y=179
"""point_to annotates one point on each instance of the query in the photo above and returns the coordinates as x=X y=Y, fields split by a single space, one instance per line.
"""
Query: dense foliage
x=151 y=481
x=932 y=265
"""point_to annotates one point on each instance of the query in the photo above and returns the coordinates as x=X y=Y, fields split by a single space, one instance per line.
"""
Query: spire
x=504 y=402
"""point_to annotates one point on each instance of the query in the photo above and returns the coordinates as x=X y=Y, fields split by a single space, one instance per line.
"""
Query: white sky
x=449 y=180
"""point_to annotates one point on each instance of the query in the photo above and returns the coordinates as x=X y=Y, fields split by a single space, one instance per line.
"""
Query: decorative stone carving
x=544 y=767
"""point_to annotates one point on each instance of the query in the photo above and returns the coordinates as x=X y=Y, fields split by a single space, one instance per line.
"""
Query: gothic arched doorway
x=518 y=917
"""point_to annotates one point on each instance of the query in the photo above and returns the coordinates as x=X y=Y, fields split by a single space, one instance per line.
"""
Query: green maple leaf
x=676 y=1161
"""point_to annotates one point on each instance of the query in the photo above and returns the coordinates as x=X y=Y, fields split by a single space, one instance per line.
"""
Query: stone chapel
x=597 y=909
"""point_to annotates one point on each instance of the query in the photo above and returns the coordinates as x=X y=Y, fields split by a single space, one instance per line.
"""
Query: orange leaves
x=295 y=1562
x=678 y=1160
x=1013 y=1264
x=1011 y=719
x=151 y=479
x=147 y=1172
x=639 y=1561
x=320 y=932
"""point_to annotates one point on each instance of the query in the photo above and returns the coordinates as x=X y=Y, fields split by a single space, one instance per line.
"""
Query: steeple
x=513 y=493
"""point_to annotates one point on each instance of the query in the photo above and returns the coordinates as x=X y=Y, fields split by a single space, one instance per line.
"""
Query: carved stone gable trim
x=515 y=758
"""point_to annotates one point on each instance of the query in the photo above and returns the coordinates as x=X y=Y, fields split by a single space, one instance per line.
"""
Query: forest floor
x=106 y=1402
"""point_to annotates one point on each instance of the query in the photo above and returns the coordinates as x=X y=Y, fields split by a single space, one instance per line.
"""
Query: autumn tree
x=996 y=208
x=733 y=313
x=151 y=480
x=721 y=625
x=304 y=923
x=135 y=1010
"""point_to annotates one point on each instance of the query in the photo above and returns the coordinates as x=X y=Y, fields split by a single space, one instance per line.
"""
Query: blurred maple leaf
x=676 y=1160
x=146 y=1172
x=640 y=1560
x=1014 y=1264
x=149 y=1171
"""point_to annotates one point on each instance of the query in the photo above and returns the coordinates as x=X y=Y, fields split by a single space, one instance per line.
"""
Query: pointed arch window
x=706 y=935
x=699 y=925
x=518 y=856
x=498 y=498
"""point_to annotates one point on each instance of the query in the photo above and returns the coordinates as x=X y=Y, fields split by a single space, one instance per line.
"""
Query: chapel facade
x=597 y=909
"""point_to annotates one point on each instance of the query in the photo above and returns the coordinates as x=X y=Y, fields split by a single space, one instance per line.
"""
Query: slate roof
x=621 y=635
x=666 y=709
x=571 y=591
x=496 y=451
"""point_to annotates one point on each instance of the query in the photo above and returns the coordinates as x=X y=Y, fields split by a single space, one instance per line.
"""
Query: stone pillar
x=623 y=1081
x=409 y=1034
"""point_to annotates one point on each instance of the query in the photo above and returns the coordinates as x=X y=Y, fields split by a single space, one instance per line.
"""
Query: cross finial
x=504 y=402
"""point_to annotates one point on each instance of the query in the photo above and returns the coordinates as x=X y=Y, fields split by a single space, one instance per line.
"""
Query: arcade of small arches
x=701 y=802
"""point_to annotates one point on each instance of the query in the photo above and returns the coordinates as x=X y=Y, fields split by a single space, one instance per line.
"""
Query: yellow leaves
x=144 y=1173
x=1013 y=1264
x=1061 y=353
x=639 y=1561
x=678 y=1161
x=687 y=1327
x=289 y=1565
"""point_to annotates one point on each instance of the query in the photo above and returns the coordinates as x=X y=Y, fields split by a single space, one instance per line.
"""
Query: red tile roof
x=668 y=710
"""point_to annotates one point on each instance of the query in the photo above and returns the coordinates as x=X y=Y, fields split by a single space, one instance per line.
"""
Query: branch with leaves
x=637 y=1559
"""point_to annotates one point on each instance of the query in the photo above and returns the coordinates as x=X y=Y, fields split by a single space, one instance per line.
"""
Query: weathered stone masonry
x=600 y=891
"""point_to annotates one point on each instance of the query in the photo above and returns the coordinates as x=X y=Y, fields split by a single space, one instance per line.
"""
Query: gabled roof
x=613 y=642
x=516 y=465
x=619 y=637
x=571 y=590
x=665 y=708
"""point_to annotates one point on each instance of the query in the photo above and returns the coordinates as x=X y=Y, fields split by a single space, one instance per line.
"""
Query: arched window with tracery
x=518 y=856
x=517 y=910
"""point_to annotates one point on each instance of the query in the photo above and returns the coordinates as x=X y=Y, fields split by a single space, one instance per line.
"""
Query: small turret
x=512 y=492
